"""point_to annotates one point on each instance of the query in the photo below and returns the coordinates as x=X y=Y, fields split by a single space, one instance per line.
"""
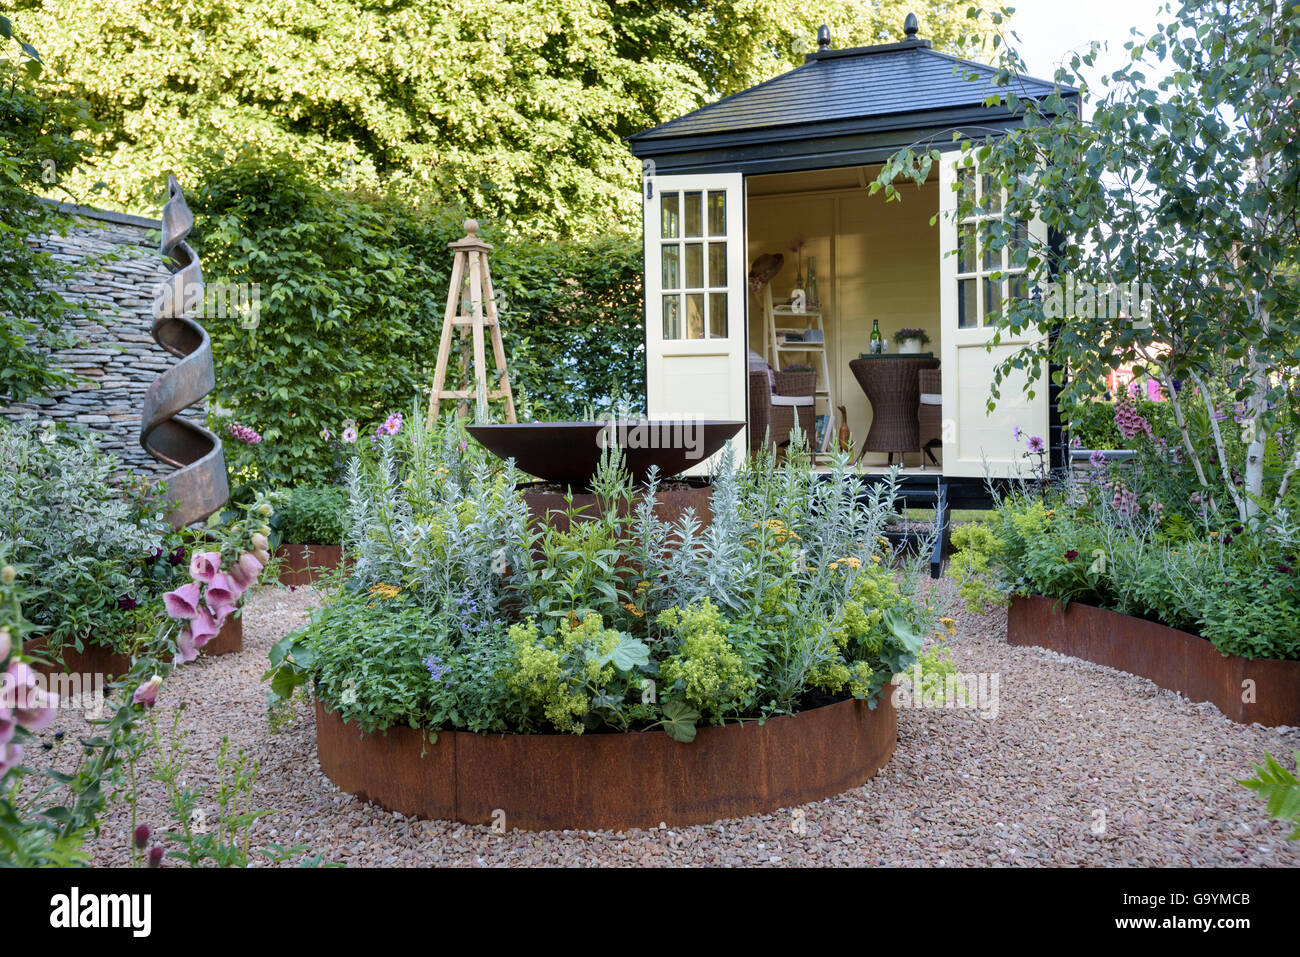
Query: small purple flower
x=391 y=426
x=1076 y=442
x=437 y=670
x=349 y=435
x=125 y=602
x=1015 y=433
x=1097 y=459
x=1035 y=444
x=178 y=555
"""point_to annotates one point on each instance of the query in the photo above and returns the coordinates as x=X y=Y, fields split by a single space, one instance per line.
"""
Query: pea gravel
x=1083 y=765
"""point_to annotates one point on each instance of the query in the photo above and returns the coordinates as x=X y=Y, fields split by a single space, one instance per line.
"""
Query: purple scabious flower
x=1035 y=444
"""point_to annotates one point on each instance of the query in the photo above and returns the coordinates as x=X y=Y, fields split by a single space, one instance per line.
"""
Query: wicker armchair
x=929 y=413
x=772 y=410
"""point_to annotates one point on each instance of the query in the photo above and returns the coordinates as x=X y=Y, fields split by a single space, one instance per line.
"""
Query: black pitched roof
x=862 y=83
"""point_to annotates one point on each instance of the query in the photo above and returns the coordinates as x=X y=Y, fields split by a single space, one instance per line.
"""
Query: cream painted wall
x=874 y=261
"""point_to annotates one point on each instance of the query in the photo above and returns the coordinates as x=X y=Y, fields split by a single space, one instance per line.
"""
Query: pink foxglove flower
x=222 y=595
x=147 y=693
x=183 y=602
x=246 y=570
x=204 y=565
x=33 y=706
x=8 y=724
x=204 y=627
x=185 y=650
x=10 y=756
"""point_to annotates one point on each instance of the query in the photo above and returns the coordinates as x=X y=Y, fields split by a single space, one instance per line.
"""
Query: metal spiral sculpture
x=199 y=486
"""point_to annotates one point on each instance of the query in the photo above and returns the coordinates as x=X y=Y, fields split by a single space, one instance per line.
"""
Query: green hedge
x=352 y=291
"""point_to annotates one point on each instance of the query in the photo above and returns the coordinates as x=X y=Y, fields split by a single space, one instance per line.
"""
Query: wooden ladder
x=471 y=280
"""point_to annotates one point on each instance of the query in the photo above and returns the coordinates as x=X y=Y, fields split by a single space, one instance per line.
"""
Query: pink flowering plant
x=222 y=568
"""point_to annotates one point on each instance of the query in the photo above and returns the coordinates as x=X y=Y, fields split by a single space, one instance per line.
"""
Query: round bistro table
x=892 y=386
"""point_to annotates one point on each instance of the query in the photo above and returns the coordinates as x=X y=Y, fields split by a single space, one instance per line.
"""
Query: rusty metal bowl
x=568 y=453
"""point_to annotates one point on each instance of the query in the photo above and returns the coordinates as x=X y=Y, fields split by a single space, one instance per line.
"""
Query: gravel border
x=1074 y=746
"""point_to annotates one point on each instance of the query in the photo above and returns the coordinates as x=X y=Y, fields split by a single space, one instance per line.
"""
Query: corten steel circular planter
x=551 y=507
x=95 y=659
x=611 y=781
x=568 y=453
x=303 y=564
x=1176 y=660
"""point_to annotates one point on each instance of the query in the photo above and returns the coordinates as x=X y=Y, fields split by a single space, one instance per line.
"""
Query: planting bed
x=567 y=781
x=1246 y=690
x=94 y=659
x=303 y=564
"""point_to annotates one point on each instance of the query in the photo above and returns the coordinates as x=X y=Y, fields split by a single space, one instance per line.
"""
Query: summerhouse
x=776 y=177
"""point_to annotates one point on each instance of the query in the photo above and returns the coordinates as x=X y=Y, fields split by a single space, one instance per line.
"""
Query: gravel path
x=1082 y=765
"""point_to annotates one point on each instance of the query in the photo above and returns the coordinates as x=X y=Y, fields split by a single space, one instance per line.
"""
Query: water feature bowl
x=568 y=453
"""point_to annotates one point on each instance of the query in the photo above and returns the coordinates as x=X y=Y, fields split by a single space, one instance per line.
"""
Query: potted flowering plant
x=910 y=341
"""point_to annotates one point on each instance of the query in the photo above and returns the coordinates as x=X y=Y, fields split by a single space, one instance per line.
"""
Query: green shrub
x=310 y=515
x=41 y=139
x=98 y=544
x=352 y=291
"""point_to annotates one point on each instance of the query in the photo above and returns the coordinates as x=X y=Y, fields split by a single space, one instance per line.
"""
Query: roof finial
x=911 y=25
x=823 y=38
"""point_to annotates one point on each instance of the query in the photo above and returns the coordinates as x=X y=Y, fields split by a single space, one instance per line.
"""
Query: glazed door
x=695 y=297
x=973 y=284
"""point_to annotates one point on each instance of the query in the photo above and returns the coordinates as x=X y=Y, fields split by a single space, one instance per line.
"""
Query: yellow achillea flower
x=877 y=559
x=631 y=606
x=950 y=624
x=380 y=590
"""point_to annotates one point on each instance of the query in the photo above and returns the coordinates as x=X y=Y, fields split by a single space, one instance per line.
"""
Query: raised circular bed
x=303 y=564
x=1247 y=690
x=611 y=781
x=95 y=659
x=549 y=506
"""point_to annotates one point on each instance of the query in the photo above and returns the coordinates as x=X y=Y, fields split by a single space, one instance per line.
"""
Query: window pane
x=694 y=265
x=672 y=266
x=966 y=248
x=992 y=198
x=1020 y=243
x=1016 y=287
x=670 y=215
x=718 y=315
x=672 y=317
x=717 y=213
x=992 y=257
x=695 y=315
x=694 y=214
x=967 y=314
x=717 y=264
x=992 y=297
x=965 y=189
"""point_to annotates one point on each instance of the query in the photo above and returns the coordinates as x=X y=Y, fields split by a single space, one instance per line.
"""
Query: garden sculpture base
x=611 y=781
x=1246 y=690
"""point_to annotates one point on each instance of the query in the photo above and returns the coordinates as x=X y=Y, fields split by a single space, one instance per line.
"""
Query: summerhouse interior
x=872 y=260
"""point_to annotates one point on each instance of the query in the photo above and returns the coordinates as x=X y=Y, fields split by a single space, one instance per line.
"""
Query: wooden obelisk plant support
x=471 y=286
